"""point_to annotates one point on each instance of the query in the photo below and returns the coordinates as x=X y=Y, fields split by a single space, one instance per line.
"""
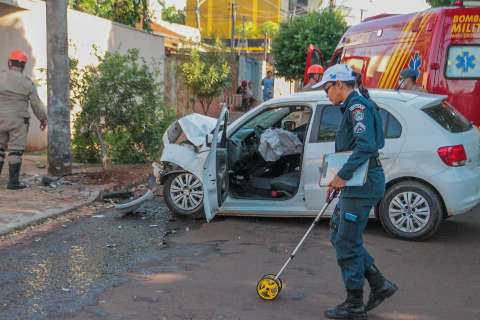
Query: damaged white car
x=266 y=163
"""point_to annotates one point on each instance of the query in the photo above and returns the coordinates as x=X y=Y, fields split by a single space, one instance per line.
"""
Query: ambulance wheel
x=268 y=288
x=411 y=210
x=183 y=194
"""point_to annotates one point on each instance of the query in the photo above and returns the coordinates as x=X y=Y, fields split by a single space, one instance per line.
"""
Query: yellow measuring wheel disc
x=268 y=287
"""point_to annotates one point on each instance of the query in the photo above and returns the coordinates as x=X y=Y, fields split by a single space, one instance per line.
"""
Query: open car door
x=215 y=170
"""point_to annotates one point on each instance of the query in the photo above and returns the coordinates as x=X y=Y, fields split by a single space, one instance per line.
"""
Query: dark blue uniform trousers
x=346 y=228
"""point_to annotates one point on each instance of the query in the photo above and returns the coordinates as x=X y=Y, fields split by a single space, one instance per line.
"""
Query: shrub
x=123 y=114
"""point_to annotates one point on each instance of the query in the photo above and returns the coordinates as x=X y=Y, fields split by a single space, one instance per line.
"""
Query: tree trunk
x=105 y=158
x=59 y=153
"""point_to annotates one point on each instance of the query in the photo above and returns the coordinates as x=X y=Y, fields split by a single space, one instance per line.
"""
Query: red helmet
x=18 y=55
x=315 y=68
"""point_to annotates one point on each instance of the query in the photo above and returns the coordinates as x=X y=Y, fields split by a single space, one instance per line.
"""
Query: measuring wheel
x=269 y=287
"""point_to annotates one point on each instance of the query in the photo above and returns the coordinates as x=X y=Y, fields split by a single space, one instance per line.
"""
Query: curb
x=50 y=213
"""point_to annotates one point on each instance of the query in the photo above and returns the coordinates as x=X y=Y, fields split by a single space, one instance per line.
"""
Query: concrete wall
x=23 y=26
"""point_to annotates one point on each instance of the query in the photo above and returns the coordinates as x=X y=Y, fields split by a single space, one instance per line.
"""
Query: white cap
x=338 y=72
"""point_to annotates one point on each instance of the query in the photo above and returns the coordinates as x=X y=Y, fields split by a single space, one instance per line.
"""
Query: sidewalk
x=32 y=205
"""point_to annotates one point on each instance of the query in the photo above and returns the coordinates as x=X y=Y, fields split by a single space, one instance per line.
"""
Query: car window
x=329 y=122
x=331 y=117
x=268 y=118
x=448 y=117
x=392 y=129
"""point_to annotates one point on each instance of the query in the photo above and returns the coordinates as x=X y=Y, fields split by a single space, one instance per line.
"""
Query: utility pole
x=197 y=14
x=234 y=21
x=59 y=154
x=361 y=14
x=243 y=41
x=198 y=4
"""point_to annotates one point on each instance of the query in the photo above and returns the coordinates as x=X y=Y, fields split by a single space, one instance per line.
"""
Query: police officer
x=314 y=73
x=17 y=91
x=361 y=132
x=408 y=80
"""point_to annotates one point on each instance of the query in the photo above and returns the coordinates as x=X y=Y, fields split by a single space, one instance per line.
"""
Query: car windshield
x=448 y=117
x=268 y=118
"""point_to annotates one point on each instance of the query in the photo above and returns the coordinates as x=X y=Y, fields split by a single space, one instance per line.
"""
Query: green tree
x=128 y=12
x=123 y=115
x=207 y=74
x=171 y=14
x=269 y=29
x=289 y=46
x=439 y=3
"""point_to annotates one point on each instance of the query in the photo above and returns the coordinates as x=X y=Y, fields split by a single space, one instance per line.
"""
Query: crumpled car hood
x=193 y=127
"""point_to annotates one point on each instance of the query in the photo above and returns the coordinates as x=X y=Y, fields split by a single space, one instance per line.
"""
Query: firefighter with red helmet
x=17 y=92
x=315 y=73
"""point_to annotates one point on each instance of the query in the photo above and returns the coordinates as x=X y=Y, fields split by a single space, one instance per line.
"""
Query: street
x=98 y=265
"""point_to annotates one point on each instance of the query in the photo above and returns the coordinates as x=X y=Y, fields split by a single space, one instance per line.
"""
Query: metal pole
x=59 y=154
x=197 y=14
x=234 y=21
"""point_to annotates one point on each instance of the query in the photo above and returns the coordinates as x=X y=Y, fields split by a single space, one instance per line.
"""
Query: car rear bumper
x=459 y=188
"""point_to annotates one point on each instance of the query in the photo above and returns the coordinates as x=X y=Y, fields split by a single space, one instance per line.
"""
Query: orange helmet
x=18 y=55
x=315 y=68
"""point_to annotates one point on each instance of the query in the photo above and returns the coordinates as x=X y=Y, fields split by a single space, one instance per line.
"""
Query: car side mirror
x=208 y=140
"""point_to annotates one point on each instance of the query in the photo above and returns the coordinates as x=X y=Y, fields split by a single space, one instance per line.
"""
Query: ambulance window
x=355 y=63
x=463 y=62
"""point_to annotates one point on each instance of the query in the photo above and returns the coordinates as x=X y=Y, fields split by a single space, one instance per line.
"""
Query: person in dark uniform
x=361 y=132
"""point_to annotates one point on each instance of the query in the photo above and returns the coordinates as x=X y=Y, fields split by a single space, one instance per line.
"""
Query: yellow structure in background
x=216 y=16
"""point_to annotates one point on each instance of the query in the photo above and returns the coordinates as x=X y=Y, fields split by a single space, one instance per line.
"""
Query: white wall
x=25 y=29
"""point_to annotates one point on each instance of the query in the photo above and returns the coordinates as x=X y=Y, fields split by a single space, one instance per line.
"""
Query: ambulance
x=442 y=45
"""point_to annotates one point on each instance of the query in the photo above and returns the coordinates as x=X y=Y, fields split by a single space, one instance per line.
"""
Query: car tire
x=411 y=222
x=170 y=190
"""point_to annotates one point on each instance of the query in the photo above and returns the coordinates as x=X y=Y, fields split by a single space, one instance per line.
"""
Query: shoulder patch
x=358 y=115
x=357 y=106
x=359 y=128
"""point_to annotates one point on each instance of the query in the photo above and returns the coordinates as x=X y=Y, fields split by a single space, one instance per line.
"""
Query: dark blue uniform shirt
x=361 y=131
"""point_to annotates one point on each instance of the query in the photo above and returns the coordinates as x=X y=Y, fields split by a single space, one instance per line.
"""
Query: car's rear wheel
x=411 y=210
x=183 y=193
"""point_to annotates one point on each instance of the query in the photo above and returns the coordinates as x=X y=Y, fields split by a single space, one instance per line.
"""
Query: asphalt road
x=128 y=268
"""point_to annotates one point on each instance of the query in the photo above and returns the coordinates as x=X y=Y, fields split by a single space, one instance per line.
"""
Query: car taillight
x=453 y=156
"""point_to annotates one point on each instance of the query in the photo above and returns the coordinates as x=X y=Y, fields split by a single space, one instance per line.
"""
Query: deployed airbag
x=275 y=143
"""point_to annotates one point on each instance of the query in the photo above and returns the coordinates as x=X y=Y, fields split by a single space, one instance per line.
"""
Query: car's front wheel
x=183 y=193
x=411 y=210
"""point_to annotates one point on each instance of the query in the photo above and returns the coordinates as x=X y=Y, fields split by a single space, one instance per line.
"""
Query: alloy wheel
x=409 y=212
x=186 y=191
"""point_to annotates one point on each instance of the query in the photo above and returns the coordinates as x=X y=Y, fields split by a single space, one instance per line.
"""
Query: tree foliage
x=439 y=3
x=269 y=29
x=206 y=74
x=173 y=15
x=323 y=29
x=128 y=12
x=123 y=115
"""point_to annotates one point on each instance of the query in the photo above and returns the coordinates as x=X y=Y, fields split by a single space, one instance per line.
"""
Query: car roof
x=415 y=99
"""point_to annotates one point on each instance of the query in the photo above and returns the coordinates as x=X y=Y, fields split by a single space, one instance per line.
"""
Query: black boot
x=1 y=167
x=351 y=309
x=380 y=288
x=14 y=182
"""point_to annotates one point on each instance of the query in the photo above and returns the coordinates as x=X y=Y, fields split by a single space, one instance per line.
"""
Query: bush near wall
x=123 y=114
